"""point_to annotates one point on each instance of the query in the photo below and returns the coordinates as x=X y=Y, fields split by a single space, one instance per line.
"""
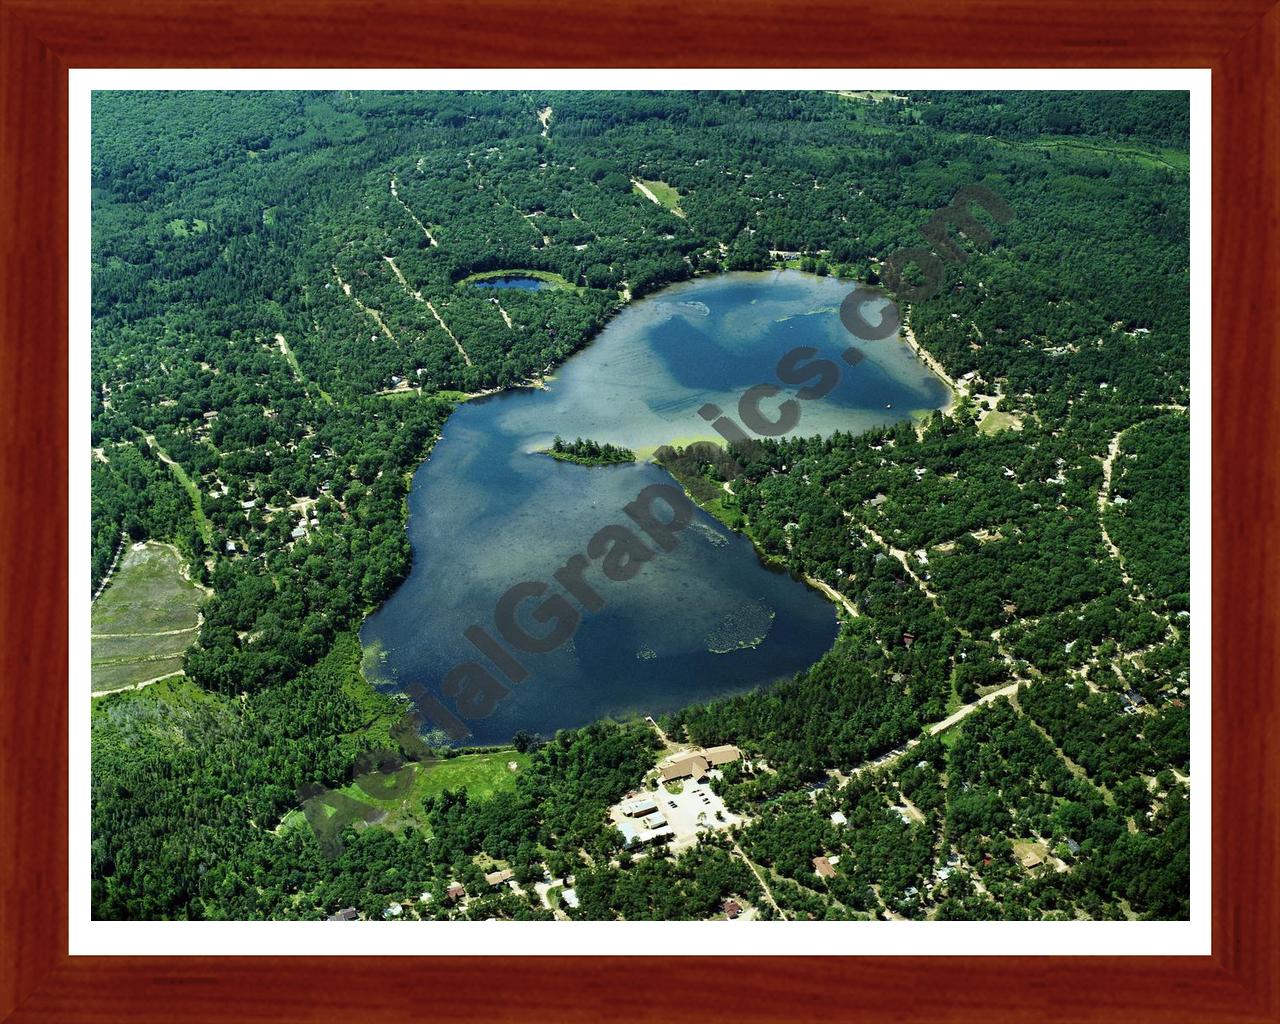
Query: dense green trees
x=589 y=453
x=283 y=318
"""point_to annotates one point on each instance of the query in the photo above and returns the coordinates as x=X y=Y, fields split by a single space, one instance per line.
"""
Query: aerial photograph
x=521 y=505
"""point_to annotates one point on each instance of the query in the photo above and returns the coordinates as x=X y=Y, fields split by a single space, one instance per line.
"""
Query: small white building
x=638 y=807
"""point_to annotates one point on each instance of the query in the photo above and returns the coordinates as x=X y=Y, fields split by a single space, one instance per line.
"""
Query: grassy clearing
x=1169 y=159
x=193 y=492
x=148 y=615
x=952 y=736
x=664 y=193
x=181 y=227
x=131 y=648
x=994 y=422
x=119 y=675
x=868 y=95
x=147 y=594
x=167 y=711
x=953 y=700
x=481 y=775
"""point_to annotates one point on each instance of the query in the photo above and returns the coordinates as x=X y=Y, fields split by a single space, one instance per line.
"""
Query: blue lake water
x=702 y=620
x=528 y=284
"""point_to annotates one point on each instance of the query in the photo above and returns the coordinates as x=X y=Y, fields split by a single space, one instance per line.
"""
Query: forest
x=284 y=317
x=589 y=453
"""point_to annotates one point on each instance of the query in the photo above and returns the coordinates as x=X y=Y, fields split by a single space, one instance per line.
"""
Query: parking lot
x=693 y=808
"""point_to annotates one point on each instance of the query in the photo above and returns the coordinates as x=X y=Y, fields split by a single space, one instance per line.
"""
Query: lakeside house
x=696 y=764
x=721 y=755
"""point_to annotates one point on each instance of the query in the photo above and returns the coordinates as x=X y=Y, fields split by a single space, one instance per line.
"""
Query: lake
x=702 y=620
x=528 y=284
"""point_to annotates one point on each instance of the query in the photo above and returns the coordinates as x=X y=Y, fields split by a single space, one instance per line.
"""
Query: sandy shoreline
x=913 y=343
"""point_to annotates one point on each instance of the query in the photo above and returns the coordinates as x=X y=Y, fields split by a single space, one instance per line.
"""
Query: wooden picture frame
x=41 y=40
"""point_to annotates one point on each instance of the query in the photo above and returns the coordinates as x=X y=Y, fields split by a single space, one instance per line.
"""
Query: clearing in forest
x=659 y=192
x=480 y=775
x=144 y=620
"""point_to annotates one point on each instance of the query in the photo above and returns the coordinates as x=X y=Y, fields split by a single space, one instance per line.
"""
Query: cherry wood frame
x=41 y=39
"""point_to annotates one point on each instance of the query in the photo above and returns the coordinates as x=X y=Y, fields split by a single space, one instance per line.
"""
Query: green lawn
x=1171 y=159
x=667 y=196
x=481 y=775
x=193 y=492
x=994 y=422
x=182 y=227
x=949 y=738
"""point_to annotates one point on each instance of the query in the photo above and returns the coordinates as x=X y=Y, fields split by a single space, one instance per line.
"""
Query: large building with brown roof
x=694 y=766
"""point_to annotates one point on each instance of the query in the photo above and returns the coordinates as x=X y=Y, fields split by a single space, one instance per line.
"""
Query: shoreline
x=921 y=353
x=644 y=454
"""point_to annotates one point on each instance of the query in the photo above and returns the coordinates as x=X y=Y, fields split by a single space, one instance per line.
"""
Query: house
x=394 y=910
x=654 y=820
x=838 y=818
x=345 y=914
x=251 y=503
x=298 y=533
x=653 y=835
x=1030 y=859
x=823 y=867
x=569 y=897
x=494 y=878
x=694 y=766
x=1071 y=845
x=716 y=756
x=231 y=547
x=454 y=893
x=908 y=639
x=638 y=807
x=630 y=833
x=731 y=909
